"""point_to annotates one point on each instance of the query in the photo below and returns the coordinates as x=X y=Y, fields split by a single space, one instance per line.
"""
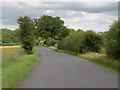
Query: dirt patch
x=92 y=55
x=53 y=47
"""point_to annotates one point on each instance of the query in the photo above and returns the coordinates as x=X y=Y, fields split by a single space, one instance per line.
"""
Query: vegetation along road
x=59 y=70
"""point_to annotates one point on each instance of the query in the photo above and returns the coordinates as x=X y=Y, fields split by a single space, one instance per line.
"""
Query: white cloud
x=88 y=17
x=11 y=27
x=90 y=21
x=50 y=11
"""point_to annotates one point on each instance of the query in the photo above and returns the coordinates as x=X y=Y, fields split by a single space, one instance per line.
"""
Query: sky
x=86 y=15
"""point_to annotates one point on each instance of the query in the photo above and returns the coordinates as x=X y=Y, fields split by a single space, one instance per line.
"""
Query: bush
x=93 y=41
x=113 y=40
x=50 y=41
x=39 y=41
x=26 y=33
x=81 y=42
x=74 y=43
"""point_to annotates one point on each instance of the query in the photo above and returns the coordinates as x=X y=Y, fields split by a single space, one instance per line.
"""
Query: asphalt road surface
x=59 y=70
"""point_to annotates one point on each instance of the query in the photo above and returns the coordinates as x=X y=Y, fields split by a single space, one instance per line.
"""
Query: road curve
x=59 y=70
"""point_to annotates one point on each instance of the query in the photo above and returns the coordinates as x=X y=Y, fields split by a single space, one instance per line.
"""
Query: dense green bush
x=113 y=40
x=26 y=33
x=81 y=42
x=50 y=41
x=92 y=41
x=74 y=43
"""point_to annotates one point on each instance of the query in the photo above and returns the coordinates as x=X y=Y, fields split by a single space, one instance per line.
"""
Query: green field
x=16 y=65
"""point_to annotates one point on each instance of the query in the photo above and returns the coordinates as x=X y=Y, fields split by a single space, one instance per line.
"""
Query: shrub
x=113 y=40
x=74 y=43
x=26 y=33
x=50 y=41
x=39 y=41
x=93 y=41
x=81 y=42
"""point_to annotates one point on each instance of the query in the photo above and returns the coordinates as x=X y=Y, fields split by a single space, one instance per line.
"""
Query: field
x=16 y=65
x=11 y=55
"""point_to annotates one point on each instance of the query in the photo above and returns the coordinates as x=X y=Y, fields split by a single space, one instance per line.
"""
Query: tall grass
x=10 y=55
x=16 y=65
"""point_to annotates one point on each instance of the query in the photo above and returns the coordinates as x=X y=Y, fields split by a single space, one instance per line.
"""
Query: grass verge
x=104 y=61
x=15 y=72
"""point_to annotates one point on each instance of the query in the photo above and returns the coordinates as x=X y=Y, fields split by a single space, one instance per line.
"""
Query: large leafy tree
x=48 y=26
x=113 y=40
x=63 y=32
x=26 y=32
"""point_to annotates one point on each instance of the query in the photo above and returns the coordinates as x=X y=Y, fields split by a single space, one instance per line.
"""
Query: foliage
x=48 y=26
x=63 y=32
x=26 y=32
x=45 y=28
x=10 y=44
x=9 y=37
x=113 y=40
x=92 y=41
x=50 y=41
x=81 y=42
x=40 y=41
x=74 y=43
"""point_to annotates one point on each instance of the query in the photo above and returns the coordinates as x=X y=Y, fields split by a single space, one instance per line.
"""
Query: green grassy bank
x=16 y=65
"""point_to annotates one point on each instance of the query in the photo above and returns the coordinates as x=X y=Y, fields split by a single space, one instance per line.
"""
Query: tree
x=81 y=42
x=9 y=37
x=73 y=42
x=92 y=41
x=26 y=32
x=113 y=40
x=63 y=32
x=48 y=26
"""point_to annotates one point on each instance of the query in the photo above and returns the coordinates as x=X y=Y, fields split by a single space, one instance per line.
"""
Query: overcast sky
x=96 y=16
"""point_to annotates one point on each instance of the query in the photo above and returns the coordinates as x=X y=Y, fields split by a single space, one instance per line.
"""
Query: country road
x=59 y=70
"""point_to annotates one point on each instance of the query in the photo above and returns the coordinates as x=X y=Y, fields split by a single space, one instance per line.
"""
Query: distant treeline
x=9 y=37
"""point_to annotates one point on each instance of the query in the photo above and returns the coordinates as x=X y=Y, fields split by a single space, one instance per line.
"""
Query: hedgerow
x=81 y=42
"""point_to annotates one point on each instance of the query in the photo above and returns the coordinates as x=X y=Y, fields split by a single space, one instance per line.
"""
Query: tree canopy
x=48 y=26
